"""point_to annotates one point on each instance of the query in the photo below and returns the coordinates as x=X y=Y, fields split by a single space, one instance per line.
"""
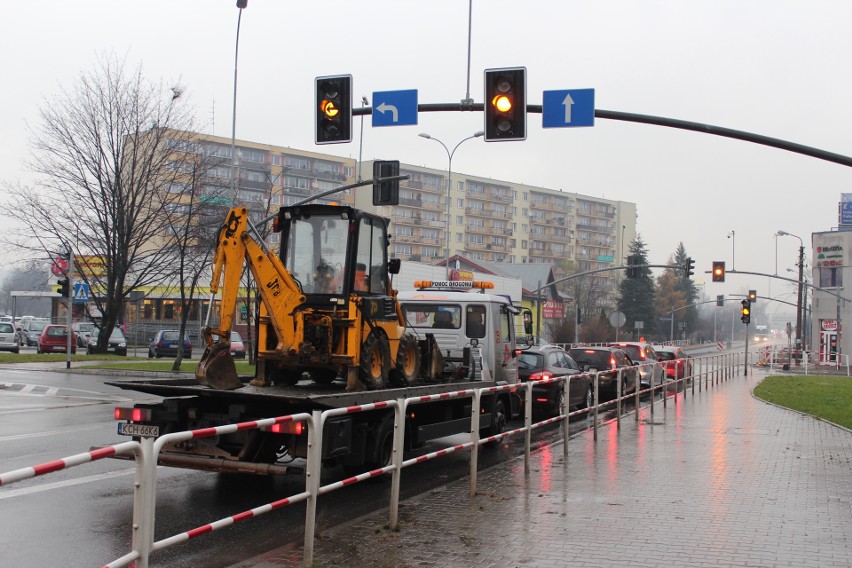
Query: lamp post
x=733 y=236
x=450 y=154
x=801 y=286
x=241 y=4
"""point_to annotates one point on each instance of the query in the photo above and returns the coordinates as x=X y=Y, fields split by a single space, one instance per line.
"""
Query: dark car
x=54 y=339
x=677 y=362
x=539 y=362
x=83 y=331
x=165 y=344
x=116 y=344
x=31 y=331
x=607 y=360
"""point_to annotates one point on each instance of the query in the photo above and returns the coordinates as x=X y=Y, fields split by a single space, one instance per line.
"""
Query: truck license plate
x=126 y=429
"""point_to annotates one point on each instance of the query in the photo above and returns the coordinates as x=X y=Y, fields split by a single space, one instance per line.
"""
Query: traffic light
x=718 y=271
x=505 y=104
x=752 y=296
x=746 y=312
x=720 y=300
x=579 y=315
x=688 y=267
x=632 y=260
x=334 y=109
x=386 y=192
x=63 y=287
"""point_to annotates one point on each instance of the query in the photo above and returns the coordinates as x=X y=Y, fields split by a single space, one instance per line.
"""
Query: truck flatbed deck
x=329 y=396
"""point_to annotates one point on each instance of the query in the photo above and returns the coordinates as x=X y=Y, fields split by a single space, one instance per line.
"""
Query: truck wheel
x=383 y=449
x=375 y=361
x=498 y=418
x=407 y=366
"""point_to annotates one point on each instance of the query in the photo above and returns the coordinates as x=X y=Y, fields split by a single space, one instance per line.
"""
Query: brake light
x=541 y=375
x=132 y=414
x=612 y=362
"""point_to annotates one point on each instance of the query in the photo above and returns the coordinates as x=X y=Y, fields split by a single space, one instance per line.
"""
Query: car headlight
x=122 y=344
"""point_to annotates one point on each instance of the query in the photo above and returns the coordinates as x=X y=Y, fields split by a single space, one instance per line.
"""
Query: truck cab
x=461 y=315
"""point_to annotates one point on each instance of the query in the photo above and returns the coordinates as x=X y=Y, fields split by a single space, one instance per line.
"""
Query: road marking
x=66 y=483
x=106 y=427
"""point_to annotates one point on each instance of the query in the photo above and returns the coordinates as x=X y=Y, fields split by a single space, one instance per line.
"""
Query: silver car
x=8 y=338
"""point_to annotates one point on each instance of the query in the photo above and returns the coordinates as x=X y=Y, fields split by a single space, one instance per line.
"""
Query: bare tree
x=102 y=156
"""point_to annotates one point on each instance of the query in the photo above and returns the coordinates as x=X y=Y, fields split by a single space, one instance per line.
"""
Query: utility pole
x=799 y=319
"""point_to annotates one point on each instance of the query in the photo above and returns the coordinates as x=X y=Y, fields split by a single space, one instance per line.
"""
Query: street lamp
x=450 y=179
x=733 y=236
x=241 y=4
x=801 y=286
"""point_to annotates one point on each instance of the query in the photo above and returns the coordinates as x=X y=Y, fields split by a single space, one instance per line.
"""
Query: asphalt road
x=82 y=516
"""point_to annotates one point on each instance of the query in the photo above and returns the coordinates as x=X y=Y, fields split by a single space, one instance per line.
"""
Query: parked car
x=54 y=339
x=117 y=343
x=238 y=348
x=83 y=331
x=165 y=344
x=30 y=332
x=539 y=362
x=677 y=363
x=607 y=360
x=642 y=354
x=8 y=338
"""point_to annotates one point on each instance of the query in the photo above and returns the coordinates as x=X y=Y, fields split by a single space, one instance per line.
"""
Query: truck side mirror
x=394 y=265
x=527 y=315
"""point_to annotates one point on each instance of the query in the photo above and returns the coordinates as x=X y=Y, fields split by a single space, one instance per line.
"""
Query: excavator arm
x=236 y=247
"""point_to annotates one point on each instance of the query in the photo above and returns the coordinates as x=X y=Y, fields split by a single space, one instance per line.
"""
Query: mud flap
x=217 y=369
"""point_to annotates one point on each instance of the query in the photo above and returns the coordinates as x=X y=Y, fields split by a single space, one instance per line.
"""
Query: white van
x=460 y=315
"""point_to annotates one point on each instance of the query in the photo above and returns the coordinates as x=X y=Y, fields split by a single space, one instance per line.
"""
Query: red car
x=54 y=339
x=677 y=362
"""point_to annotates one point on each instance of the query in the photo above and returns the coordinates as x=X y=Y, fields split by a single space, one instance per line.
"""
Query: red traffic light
x=718 y=271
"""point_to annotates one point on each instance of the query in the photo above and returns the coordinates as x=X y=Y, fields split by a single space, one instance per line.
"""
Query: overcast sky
x=772 y=67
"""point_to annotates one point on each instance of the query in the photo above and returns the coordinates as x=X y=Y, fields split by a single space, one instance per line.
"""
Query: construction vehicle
x=327 y=305
x=331 y=334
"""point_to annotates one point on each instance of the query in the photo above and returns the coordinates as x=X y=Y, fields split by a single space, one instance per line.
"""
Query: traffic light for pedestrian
x=718 y=271
x=334 y=109
x=746 y=312
x=505 y=104
x=720 y=300
x=752 y=296
x=688 y=267
x=63 y=287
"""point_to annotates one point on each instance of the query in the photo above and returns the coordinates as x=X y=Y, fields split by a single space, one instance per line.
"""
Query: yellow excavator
x=327 y=305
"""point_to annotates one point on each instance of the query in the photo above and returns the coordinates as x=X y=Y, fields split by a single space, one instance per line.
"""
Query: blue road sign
x=81 y=292
x=561 y=109
x=395 y=108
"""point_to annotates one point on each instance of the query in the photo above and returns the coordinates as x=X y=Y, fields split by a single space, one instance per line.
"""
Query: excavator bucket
x=216 y=368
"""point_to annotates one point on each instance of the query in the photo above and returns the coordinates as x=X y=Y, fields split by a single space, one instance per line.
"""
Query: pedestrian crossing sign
x=81 y=292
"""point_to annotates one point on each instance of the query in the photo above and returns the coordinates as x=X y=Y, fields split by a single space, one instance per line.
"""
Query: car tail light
x=132 y=414
x=612 y=362
x=541 y=375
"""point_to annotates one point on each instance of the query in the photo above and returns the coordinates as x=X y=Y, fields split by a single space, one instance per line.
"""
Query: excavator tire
x=407 y=368
x=374 y=361
x=217 y=369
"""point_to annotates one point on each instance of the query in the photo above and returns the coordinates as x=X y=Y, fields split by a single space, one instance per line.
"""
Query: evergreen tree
x=688 y=288
x=638 y=295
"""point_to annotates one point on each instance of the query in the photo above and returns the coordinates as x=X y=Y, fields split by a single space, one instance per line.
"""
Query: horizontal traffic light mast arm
x=657 y=121
x=765 y=298
x=350 y=186
x=793 y=280
x=577 y=275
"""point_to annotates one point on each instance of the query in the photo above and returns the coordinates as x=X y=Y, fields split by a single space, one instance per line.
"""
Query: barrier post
x=618 y=395
x=636 y=395
x=528 y=425
x=597 y=399
x=662 y=384
x=312 y=483
x=653 y=393
x=565 y=430
x=474 y=439
x=144 y=501
x=396 y=459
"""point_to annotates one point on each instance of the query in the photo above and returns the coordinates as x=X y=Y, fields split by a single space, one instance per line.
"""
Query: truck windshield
x=436 y=316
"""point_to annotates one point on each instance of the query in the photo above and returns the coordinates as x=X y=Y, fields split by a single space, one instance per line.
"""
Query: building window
x=830 y=278
x=460 y=203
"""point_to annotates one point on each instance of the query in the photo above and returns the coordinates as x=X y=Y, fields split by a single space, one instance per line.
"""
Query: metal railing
x=701 y=371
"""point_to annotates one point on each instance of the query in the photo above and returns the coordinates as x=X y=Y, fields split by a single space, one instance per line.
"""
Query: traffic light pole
x=69 y=298
x=745 y=365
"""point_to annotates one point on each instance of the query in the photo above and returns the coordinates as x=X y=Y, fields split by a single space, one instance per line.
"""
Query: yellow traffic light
x=502 y=103
x=329 y=109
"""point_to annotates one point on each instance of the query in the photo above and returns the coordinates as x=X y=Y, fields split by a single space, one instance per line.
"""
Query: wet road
x=82 y=516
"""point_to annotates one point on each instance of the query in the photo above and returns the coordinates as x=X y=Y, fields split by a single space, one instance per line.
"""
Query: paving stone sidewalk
x=720 y=479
